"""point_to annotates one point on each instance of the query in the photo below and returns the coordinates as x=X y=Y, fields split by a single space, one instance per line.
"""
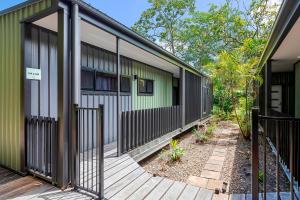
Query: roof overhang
x=281 y=47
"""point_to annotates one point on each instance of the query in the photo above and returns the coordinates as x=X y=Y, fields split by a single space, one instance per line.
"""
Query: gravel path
x=191 y=163
x=236 y=170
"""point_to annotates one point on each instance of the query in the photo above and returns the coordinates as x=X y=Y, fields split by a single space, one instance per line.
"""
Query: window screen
x=125 y=84
x=145 y=87
x=87 y=80
x=106 y=82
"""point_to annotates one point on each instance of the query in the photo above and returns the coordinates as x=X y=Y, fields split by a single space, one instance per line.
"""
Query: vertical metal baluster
x=277 y=157
x=255 y=154
x=265 y=160
x=83 y=145
x=93 y=149
x=87 y=148
x=291 y=159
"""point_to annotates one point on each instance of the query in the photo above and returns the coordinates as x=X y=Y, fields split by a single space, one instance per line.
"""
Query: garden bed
x=236 y=168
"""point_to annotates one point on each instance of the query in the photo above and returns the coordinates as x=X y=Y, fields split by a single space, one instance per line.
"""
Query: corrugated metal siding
x=11 y=116
x=104 y=61
x=162 y=96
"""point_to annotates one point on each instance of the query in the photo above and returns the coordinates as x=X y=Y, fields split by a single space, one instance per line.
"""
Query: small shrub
x=260 y=176
x=176 y=152
x=200 y=136
x=210 y=129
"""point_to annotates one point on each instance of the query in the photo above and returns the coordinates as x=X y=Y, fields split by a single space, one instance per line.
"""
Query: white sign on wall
x=33 y=74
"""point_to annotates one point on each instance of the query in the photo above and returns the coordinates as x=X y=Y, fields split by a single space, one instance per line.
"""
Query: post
x=291 y=135
x=76 y=82
x=119 y=133
x=100 y=140
x=255 y=155
x=268 y=85
x=63 y=75
x=182 y=96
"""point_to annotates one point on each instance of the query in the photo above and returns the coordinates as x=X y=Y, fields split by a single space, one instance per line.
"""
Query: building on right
x=277 y=118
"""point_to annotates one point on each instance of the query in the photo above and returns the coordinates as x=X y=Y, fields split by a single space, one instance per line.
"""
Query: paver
x=213 y=184
x=210 y=174
x=212 y=167
x=215 y=162
x=217 y=158
x=198 y=181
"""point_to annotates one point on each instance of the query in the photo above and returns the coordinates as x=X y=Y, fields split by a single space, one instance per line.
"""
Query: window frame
x=145 y=93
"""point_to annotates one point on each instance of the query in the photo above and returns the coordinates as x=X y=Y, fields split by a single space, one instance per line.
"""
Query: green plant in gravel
x=200 y=136
x=260 y=176
x=176 y=152
x=210 y=129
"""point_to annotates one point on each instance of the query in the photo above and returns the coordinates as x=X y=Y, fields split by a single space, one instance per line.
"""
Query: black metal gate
x=89 y=175
x=41 y=145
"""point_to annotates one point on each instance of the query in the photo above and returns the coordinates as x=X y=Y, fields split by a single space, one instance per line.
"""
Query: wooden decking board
x=17 y=191
x=15 y=184
x=204 y=194
x=118 y=186
x=117 y=168
x=119 y=161
x=116 y=177
x=34 y=193
x=7 y=179
x=160 y=189
x=132 y=187
x=174 y=191
x=189 y=192
x=143 y=191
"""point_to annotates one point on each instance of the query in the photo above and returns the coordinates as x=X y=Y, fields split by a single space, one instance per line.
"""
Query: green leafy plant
x=176 y=152
x=210 y=129
x=260 y=176
x=200 y=136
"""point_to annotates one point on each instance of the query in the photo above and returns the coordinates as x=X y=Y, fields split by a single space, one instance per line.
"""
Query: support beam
x=76 y=87
x=182 y=96
x=63 y=74
x=119 y=111
x=268 y=85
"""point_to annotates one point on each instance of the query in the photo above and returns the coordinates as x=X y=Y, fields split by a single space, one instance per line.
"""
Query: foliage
x=176 y=152
x=225 y=42
x=210 y=129
x=162 y=22
x=260 y=176
x=200 y=136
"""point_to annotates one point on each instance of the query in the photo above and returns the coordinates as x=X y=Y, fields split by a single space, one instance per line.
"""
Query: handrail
x=278 y=118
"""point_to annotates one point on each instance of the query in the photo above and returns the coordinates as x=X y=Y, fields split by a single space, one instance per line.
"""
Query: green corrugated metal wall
x=11 y=115
x=162 y=96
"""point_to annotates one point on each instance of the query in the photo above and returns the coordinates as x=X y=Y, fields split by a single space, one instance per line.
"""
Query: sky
x=125 y=11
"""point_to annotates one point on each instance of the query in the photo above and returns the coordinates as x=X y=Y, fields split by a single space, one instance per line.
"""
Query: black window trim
x=145 y=93
x=105 y=92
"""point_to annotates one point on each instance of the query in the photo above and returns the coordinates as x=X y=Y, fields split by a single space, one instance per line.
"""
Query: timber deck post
x=255 y=155
x=182 y=96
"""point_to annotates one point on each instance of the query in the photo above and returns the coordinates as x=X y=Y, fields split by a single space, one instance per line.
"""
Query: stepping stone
x=212 y=167
x=198 y=181
x=210 y=174
x=221 y=150
x=215 y=162
x=213 y=184
x=218 y=153
x=217 y=158
x=220 y=197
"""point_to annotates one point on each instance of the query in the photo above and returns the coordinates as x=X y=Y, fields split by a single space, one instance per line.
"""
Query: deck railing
x=41 y=145
x=89 y=171
x=142 y=126
x=282 y=134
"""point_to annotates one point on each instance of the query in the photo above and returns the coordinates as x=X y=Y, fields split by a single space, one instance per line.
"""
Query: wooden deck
x=123 y=179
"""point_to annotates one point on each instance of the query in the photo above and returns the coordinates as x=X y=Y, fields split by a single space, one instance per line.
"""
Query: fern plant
x=176 y=152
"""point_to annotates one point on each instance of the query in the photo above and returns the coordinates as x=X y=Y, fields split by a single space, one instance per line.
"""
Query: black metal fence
x=283 y=135
x=41 y=145
x=89 y=151
x=142 y=126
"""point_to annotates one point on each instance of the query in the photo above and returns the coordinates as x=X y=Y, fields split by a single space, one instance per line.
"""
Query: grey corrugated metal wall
x=41 y=53
x=104 y=61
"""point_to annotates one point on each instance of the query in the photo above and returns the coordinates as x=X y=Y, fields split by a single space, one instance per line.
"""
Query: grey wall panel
x=110 y=111
x=41 y=52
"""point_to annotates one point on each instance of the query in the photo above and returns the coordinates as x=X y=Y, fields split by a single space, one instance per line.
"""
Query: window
x=145 y=87
x=125 y=84
x=87 y=79
x=106 y=82
x=98 y=81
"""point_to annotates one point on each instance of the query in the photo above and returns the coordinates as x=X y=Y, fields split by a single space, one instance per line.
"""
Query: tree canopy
x=226 y=42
